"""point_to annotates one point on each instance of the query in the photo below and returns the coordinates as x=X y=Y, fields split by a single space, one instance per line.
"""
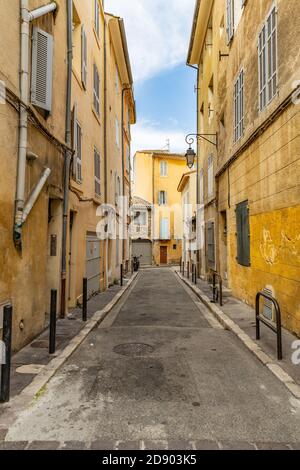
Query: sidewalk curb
x=230 y=325
x=37 y=386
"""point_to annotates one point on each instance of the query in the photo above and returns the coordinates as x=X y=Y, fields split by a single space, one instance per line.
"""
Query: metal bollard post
x=188 y=270
x=84 y=300
x=52 y=334
x=5 y=369
x=195 y=275
x=121 y=275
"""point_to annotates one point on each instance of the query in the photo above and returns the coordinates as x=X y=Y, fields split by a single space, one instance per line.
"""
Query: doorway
x=163 y=255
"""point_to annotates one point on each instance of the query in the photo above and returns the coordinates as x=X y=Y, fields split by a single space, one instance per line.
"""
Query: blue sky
x=158 y=33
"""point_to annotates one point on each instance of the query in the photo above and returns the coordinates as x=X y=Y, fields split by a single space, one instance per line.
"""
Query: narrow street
x=160 y=373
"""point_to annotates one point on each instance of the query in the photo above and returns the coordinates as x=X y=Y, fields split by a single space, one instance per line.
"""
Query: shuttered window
x=96 y=90
x=163 y=169
x=210 y=175
x=230 y=20
x=97 y=18
x=117 y=132
x=210 y=233
x=164 y=229
x=239 y=107
x=267 y=60
x=83 y=57
x=243 y=234
x=162 y=198
x=77 y=146
x=201 y=187
x=97 y=172
x=42 y=69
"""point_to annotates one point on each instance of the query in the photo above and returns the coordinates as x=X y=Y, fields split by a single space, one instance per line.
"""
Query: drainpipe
x=35 y=194
x=26 y=17
x=126 y=88
x=67 y=160
x=105 y=141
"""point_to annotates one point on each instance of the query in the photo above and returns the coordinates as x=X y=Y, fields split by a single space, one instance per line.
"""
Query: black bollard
x=52 y=333
x=5 y=369
x=121 y=275
x=84 y=299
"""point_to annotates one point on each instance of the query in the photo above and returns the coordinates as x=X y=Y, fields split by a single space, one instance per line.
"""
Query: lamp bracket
x=190 y=138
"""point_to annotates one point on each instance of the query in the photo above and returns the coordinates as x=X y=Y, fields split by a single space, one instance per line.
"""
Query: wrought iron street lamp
x=190 y=139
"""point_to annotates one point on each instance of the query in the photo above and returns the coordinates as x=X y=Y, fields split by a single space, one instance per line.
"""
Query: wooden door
x=163 y=255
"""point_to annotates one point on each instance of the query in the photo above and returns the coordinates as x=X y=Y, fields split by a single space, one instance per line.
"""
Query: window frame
x=165 y=199
x=210 y=175
x=97 y=18
x=96 y=90
x=164 y=173
x=266 y=52
x=78 y=155
x=239 y=107
x=97 y=178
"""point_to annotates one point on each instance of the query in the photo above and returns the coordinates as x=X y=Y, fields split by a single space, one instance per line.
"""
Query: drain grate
x=133 y=349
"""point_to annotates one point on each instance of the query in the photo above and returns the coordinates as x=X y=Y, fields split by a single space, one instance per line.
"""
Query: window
x=42 y=69
x=201 y=188
x=164 y=229
x=140 y=218
x=97 y=172
x=267 y=60
x=230 y=20
x=211 y=244
x=163 y=168
x=128 y=160
x=162 y=198
x=117 y=188
x=117 y=132
x=243 y=234
x=96 y=19
x=117 y=80
x=83 y=57
x=96 y=90
x=78 y=152
x=210 y=175
x=239 y=107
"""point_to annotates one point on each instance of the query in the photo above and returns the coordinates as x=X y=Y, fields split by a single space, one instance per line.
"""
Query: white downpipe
x=35 y=194
x=26 y=17
x=41 y=11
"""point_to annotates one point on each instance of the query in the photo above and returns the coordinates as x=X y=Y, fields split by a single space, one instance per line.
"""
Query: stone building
x=155 y=175
x=33 y=147
x=247 y=56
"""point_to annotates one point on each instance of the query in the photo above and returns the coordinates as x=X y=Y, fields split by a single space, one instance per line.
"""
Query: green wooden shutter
x=243 y=234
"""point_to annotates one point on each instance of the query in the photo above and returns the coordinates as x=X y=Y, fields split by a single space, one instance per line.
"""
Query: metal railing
x=259 y=318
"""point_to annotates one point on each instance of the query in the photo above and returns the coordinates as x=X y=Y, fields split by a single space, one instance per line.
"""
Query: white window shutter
x=83 y=57
x=42 y=69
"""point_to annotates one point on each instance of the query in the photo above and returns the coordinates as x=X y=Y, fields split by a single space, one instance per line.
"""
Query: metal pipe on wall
x=68 y=157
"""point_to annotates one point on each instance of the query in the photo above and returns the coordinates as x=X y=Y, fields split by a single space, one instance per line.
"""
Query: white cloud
x=158 y=32
x=147 y=137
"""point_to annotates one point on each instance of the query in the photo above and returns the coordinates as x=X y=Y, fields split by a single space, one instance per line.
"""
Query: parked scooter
x=136 y=263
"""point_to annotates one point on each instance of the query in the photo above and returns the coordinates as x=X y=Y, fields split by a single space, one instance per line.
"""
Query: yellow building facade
x=154 y=175
x=58 y=163
x=248 y=175
x=32 y=153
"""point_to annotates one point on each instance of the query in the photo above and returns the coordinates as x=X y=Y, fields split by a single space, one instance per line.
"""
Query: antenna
x=167 y=146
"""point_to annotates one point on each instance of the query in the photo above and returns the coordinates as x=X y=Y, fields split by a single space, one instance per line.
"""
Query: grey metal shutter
x=211 y=244
x=42 y=69
x=243 y=234
x=83 y=57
